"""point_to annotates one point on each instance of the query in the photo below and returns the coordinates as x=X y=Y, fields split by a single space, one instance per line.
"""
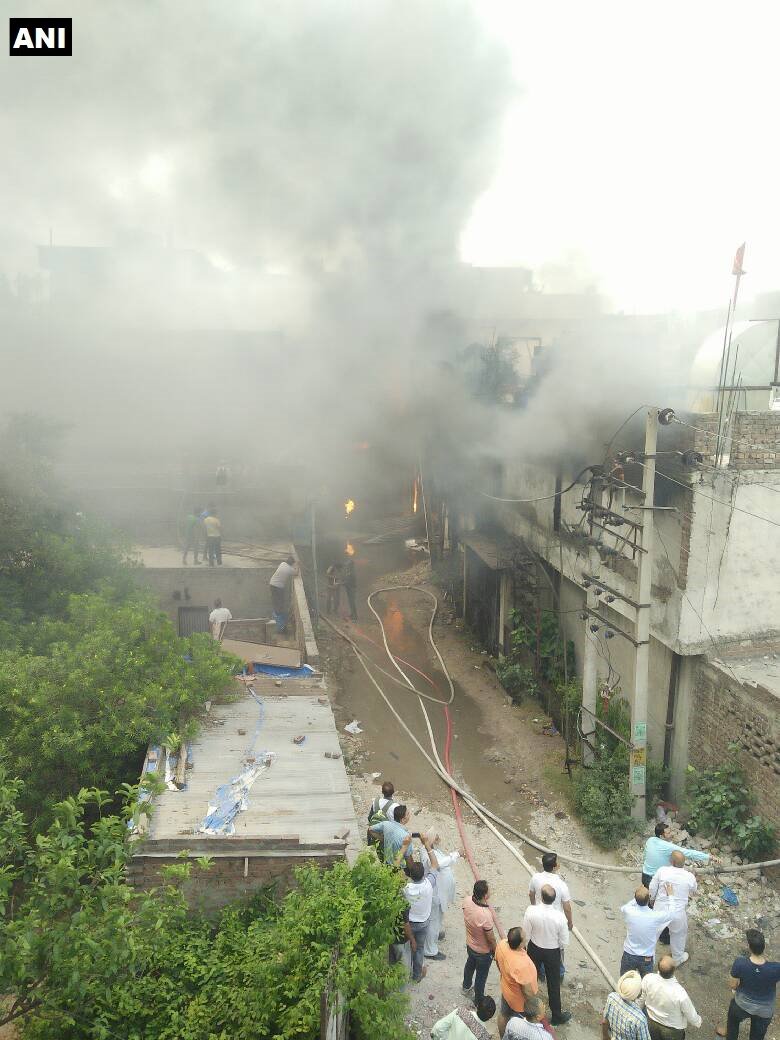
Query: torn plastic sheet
x=279 y=672
x=353 y=727
x=232 y=798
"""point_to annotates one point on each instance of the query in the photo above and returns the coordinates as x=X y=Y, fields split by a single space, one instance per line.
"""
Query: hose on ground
x=613 y=868
x=472 y=802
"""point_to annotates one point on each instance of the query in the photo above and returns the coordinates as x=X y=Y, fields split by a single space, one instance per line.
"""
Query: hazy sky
x=644 y=138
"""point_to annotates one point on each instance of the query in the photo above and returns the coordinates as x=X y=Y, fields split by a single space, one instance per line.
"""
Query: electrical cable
x=541 y=498
x=719 y=501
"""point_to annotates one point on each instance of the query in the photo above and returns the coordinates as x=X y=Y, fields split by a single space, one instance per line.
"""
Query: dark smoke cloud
x=343 y=141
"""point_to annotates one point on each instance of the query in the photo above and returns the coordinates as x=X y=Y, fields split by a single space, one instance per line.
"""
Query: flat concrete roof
x=266 y=557
x=301 y=796
x=755 y=670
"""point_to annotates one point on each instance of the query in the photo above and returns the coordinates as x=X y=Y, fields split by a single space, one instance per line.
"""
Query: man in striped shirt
x=623 y=1018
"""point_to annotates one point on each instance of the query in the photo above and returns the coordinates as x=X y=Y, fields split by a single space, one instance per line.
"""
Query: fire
x=349 y=506
x=414 y=499
x=349 y=549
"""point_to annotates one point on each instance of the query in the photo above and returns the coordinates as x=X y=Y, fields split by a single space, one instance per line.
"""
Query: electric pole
x=589 y=683
x=638 y=755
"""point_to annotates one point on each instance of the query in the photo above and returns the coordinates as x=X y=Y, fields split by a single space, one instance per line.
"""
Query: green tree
x=78 y=706
x=84 y=956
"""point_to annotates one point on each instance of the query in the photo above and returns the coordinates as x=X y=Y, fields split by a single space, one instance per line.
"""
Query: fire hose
x=481 y=811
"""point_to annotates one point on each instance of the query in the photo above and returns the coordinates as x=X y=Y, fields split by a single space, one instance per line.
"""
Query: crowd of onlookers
x=649 y=1002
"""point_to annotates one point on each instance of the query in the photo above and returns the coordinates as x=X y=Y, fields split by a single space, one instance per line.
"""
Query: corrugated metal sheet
x=193 y=619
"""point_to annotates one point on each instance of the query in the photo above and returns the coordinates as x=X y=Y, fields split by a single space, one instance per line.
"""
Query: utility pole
x=589 y=683
x=638 y=755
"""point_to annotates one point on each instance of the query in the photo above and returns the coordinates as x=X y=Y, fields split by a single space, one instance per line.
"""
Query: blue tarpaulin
x=280 y=672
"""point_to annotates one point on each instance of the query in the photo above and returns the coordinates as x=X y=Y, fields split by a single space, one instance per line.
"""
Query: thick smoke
x=283 y=187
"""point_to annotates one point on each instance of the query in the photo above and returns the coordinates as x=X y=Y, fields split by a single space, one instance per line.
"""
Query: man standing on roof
x=670 y=890
x=213 y=537
x=192 y=529
x=280 y=583
x=218 y=617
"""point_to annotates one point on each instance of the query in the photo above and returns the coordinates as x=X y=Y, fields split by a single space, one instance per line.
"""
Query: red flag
x=739 y=257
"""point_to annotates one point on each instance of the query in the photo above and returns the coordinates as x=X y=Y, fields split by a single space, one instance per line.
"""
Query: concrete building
x=295 y=793
x=263 y=788
x=714 y=649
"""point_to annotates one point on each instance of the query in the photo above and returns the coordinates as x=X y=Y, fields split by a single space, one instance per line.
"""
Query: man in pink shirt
x=480 y=940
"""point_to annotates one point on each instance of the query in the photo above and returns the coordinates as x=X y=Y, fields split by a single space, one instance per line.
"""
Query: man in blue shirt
x=393 y=832
x=658 y=853
x=754 y=980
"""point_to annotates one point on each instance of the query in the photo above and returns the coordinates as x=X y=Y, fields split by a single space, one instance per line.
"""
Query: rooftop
x=301 y=798
x=234 y=554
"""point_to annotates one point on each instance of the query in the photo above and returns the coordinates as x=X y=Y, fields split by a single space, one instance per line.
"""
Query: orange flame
x=349 y=549
x=349 y=506
x=414 y=498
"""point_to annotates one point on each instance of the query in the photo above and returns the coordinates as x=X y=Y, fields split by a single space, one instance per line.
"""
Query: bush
x=603 y=801
x=601 y=792
x=721 y=803
x=83 y=955
x=516 y=679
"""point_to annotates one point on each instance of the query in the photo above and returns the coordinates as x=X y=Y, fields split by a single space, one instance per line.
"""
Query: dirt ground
x=502 y=756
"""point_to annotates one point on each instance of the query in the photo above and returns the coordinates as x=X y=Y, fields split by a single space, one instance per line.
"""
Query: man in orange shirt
x=518 y=977
x=480 y=940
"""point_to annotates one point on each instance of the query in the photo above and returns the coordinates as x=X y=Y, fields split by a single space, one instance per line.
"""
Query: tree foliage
x=86 y=957
x=90 y=670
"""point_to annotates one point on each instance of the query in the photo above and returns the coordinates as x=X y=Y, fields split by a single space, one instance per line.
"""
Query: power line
x=542 y=498
x=710 y=498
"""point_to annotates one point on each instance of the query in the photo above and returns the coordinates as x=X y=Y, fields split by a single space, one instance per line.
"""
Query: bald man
x=643 y=926
x=670 y=890
x=668 y=1007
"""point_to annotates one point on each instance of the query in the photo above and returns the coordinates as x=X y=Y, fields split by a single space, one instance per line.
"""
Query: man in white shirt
x=280 y=585
x=444 y=894
x=218 y=617
x=670 y=890
x=669 y=1008
x=643 y=926
x=549 y=875
x=418 y=893
x=547 y=932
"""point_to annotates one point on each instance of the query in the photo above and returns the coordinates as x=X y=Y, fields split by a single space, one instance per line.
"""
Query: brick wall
x=225 y=880
x=755 y=439
x=723 y=713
